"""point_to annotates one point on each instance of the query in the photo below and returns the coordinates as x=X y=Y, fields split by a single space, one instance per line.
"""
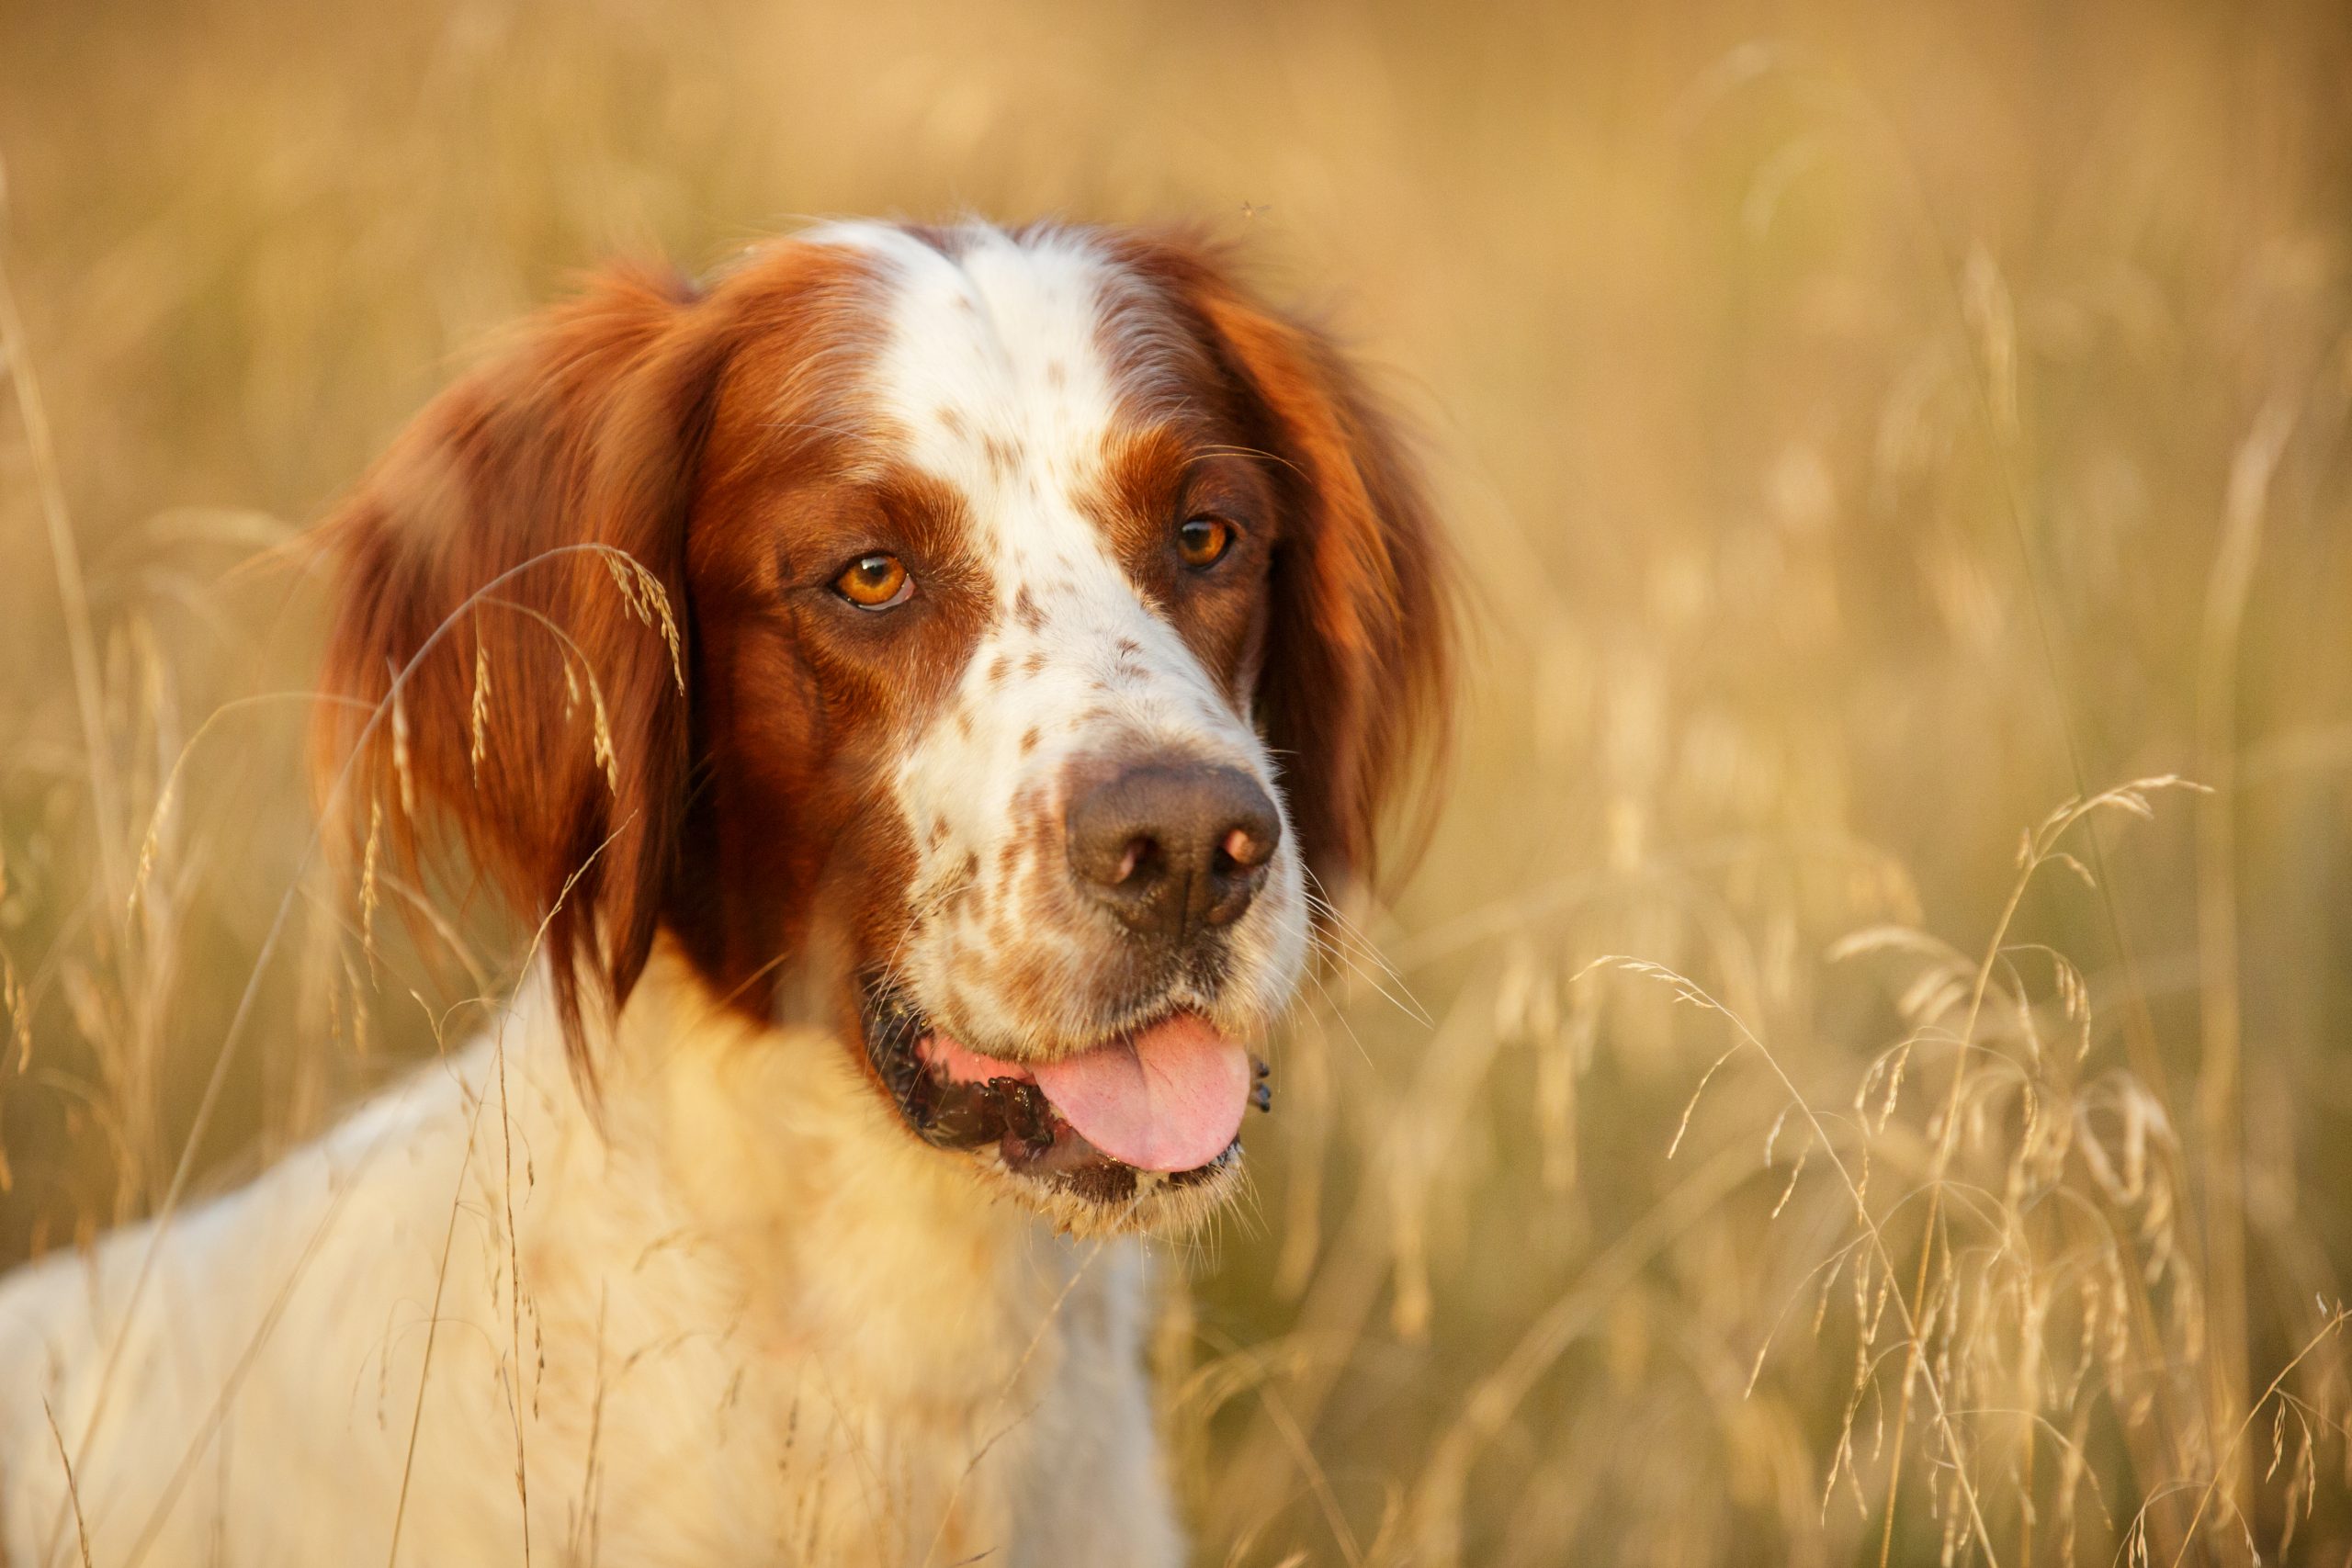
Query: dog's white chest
x=754 y=1324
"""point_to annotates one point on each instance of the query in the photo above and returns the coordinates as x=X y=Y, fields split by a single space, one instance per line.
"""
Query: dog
x=911 y=684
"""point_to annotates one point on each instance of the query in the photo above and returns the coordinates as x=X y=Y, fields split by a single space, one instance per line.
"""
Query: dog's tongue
x=1169 y=1099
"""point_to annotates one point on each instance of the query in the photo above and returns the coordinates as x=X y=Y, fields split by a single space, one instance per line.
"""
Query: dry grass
x=1868 y=427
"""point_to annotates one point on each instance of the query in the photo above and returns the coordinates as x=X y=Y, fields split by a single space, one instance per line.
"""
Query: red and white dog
x=910 y=684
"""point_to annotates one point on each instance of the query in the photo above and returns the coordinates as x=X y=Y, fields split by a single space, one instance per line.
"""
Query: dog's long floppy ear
x=507 y=654
x=1359 y=641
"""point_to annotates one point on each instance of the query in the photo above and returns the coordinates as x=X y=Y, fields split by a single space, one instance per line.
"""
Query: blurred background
x=1826 y=1096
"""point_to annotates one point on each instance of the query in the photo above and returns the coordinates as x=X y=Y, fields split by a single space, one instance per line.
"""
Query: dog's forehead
x=996 y=370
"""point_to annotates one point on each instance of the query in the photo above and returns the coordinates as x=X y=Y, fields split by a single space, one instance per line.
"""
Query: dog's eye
x=1203 y=541
x=877 y=581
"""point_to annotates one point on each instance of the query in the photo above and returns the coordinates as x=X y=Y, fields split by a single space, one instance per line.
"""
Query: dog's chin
x=1017 y=1141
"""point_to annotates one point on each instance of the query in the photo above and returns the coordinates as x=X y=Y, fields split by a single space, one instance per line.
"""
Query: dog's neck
x=766 y=1165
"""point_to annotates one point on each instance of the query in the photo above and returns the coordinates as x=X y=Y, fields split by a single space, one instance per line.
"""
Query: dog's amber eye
x=1203 y=541
x=876 y=582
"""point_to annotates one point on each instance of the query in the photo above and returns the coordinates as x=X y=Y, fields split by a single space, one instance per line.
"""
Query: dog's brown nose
x=1172 y=849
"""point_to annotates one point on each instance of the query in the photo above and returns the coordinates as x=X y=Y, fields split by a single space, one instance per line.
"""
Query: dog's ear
x=509 y=639
x=1359 y=644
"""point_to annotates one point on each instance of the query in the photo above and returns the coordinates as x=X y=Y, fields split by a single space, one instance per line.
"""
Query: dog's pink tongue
x=1169 y=1098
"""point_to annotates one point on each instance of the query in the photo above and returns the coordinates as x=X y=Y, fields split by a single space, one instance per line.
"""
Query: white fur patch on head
x=997 y=369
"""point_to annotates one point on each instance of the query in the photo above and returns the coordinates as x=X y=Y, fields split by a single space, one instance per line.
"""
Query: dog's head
x=983 y=641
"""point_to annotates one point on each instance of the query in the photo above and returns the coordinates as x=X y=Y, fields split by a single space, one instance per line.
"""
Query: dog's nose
x=1172 y=849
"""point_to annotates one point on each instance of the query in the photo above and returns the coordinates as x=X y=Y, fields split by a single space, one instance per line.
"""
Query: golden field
x=1861 y=1074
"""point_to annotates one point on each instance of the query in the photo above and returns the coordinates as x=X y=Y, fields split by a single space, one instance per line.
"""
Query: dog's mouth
x=1152 y=1108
